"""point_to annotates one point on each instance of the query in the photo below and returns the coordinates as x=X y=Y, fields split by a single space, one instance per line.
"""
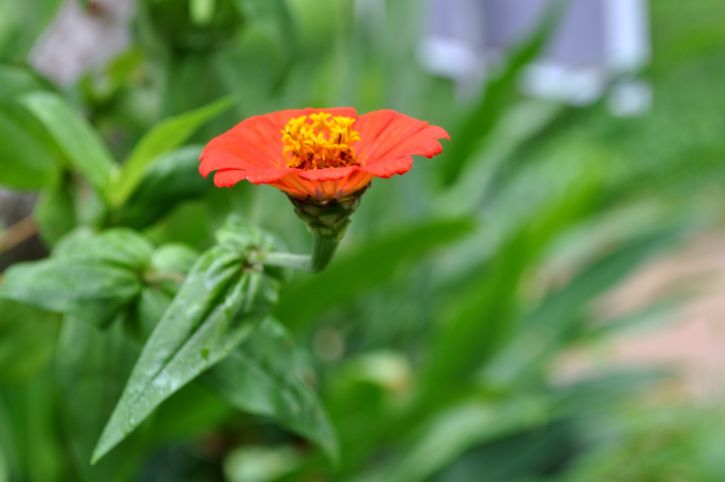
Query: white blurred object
x=596 y=43
x=81 y=38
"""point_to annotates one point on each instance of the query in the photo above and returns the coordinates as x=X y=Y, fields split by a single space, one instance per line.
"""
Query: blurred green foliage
x=427 y=350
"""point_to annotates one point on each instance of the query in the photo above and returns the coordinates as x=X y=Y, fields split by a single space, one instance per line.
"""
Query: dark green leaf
x=166 y=136
x=259 y=377
x=457 y=429
x=171 y=179
x=91 y=367
x=27 y=339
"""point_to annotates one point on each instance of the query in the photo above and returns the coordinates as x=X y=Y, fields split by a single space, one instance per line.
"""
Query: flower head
x=319 y=155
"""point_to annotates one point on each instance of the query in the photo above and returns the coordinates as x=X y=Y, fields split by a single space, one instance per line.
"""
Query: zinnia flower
x=319 y=155
x=324 y=159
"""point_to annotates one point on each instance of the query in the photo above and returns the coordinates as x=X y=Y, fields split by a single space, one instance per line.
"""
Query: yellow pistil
x=319 y=140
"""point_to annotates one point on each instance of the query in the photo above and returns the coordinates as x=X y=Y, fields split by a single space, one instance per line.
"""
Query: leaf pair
x=226 y=299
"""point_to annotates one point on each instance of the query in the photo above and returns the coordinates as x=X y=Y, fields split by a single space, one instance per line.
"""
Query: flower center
x=319 y=141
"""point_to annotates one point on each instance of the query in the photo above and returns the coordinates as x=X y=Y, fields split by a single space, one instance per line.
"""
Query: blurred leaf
x=164 y=137
x=27 y=339
x=220 y=303
x=21 y=24
x=91 y=277
x=173 y=258
x=274 y=14
x=27 y=159
x=75 y=137
x=201 y=11
x=600 y=392
x=369 y=266
x=485 y=311
x=171 y=179
x=16 y=80
x=475 y=128
x=547 y=327
x=457 y=429
x=27 y=162
x=260 y=464
x=55 y=211
x=91 y=367
x=260 y=377
x=188 y=415
x=32 y=430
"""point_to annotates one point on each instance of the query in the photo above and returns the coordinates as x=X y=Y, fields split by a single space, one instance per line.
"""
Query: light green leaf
x=78 y=141
x=259 y=377
x=89 y=276
x=222 y=300
x=27 y=162
x=26 y=155
x=166 y=136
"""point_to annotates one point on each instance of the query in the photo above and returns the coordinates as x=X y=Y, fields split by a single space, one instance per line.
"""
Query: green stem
x=322 y=252
x=301 y=262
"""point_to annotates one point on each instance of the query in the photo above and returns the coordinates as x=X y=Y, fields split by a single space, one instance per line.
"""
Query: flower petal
x=255 y=144
x=228 y=177
x=389 y=139
x=327 y=174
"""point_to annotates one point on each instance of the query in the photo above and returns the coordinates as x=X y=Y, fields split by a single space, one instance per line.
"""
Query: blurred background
x=543 y=302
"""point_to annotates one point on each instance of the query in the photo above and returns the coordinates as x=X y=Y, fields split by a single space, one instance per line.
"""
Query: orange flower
x=319 y=155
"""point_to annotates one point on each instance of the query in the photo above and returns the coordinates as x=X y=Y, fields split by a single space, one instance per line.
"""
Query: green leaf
x=367 y=267
x=16 y=80
x=549 y=325
x=26 y=154
x=89 y=276
x=259 y=377
x=168 y=181
x=27 y=162
x=274 y=15
x=75 y=137
x=91 y=367
x=222 y=300
x=55 y=212
x=119 y=247
x=27 y=339
x=456 y=429
x=166 y=136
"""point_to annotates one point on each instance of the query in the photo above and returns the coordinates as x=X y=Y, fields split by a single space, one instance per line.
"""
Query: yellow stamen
x=320 y=140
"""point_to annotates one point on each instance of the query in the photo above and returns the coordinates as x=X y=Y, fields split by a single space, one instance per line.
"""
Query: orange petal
x=389 y=139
